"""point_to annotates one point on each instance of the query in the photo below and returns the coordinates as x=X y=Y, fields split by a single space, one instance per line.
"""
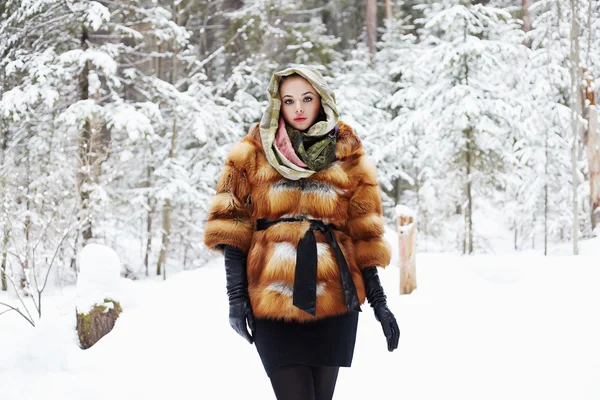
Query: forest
x=116 y=118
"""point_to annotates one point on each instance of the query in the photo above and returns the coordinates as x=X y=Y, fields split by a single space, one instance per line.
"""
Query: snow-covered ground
x=509 y=326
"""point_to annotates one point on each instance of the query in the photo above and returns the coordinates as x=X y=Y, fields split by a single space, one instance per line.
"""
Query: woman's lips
x=299 y=119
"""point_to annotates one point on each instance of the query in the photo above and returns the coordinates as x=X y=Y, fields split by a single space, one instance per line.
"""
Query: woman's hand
x=389 y=325
x=240 y=314
x=240 y=310
x=377 y=300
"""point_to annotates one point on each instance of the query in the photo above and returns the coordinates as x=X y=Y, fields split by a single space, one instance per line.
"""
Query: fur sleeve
x=229 y=219
x=365 y=223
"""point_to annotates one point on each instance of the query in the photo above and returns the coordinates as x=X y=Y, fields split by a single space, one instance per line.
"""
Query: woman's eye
x=307 y=99
x=288 y=101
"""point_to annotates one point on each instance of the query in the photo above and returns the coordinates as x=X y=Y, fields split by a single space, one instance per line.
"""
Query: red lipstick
x=299 y=119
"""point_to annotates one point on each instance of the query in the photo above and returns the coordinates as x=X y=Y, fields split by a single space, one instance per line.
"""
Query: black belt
x=305 y=279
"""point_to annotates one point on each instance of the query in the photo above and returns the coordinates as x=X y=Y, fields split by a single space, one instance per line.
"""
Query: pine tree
x=551 y=62
x=458 y=110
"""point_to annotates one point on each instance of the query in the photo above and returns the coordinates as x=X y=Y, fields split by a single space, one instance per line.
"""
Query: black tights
x=303 y=382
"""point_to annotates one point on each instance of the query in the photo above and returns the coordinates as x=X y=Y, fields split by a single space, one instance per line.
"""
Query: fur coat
x=345 y=193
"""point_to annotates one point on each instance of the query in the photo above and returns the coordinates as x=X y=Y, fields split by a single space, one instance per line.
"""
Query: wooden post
x=407 y=234
x=592 y=143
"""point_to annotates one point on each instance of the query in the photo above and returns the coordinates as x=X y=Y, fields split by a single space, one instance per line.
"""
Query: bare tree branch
x=17 y=292
x=67 y=232
x=11 y=308
x=221 y=49
x=5 y=311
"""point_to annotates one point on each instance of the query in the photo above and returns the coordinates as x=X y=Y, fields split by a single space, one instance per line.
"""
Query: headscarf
x=269 y=123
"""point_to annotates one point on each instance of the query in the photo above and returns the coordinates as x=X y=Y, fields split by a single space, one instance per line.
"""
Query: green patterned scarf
x=316 y=153
x=316 y=135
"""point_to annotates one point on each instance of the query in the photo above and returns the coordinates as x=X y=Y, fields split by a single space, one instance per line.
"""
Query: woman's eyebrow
x=289 y=95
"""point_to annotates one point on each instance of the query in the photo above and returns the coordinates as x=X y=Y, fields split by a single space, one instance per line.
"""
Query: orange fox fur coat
x=345 y=194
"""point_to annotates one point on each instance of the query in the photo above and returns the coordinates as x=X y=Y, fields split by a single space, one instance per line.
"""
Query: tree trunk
x=26 y=227
x=399 y=188
x=166 y=232
x=149 y=236
x=150 y=213
x=371 y=23
x=464 y=243
x=84 y=170
x=526 y=18
x=4 y=257
x=388 y=14
x=3 y=145
x=575 y=114
x=167 y=209
x=592 y=142
x=186 y=243
x=388 y=10
x=73 y=265
x=533 y=225
x=469 y=208
x=94 y=140
x=94 y=325
x=546 y=164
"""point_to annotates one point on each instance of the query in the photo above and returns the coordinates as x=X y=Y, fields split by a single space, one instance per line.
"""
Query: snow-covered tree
x=553 y=65
x=99 y=105
x=458 y=111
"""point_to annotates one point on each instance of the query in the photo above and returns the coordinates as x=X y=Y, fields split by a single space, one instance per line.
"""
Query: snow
x=403 y=211
x=130 y=120
x=99 y=277
x=100 y=59
x=95 y=14
x=513 y=325
x=501 y=325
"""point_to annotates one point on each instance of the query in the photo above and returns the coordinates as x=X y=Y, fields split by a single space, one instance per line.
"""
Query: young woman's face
x=300 y=103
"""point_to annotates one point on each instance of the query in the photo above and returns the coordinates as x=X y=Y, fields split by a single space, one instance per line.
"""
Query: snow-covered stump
x=97 y=308
x=100 y=320
x=407 y=232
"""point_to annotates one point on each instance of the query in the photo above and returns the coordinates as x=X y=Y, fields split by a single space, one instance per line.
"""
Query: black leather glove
x=377 y=300
x=240 y=310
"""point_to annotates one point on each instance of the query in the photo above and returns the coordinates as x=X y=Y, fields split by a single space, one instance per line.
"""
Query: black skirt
x=325 y=342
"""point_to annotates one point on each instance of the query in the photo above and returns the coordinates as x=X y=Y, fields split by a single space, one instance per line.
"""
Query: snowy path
x=481 y=327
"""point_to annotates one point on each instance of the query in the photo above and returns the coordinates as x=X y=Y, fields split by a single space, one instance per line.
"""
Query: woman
x=298 y=216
